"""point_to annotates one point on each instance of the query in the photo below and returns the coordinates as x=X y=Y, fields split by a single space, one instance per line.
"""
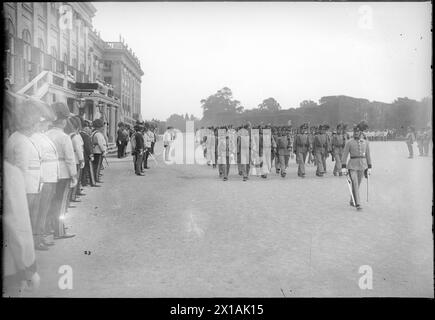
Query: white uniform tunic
x=65 y=151
x=50 y=162
x=25 y=154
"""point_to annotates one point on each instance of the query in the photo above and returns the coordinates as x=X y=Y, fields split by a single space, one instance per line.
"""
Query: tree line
x=222 y=108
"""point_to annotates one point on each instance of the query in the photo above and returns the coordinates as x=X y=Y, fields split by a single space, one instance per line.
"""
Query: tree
x=308 y=104
x=220 y=106
x=177 y=121
x=269 y=104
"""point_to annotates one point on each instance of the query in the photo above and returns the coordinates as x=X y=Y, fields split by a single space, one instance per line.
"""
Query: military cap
x=98 y=123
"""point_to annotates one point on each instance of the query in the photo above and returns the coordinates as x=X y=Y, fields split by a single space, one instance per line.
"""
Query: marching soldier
x=267 y=145
x=420 y=139
x=360 y=162
x=243 y=149
x=223 y=154
x=274 y=150
x=283 y=147
x=338 y=142
x=311 y=135
x=301 y=149
x=426 y=141
x=410 y=139
x=320 y=146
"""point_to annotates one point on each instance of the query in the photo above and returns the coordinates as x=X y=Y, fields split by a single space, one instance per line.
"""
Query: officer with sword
x=359 y=165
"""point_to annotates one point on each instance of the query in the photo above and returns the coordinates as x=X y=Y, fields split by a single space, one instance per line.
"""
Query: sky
x=290 y=51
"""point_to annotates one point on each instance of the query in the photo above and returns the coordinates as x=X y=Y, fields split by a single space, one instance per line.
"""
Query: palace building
x=54 y=54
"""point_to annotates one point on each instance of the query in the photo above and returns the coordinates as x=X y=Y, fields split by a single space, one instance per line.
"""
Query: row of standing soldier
x=313 y=144
x=50 y=154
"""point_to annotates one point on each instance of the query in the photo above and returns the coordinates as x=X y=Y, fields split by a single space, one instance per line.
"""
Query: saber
x=349 y=185
x=367 y=188
x=106 y=161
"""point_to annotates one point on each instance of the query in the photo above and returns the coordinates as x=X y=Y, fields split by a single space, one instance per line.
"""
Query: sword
x=349 y=185
x=106 y=160
x=367 y=188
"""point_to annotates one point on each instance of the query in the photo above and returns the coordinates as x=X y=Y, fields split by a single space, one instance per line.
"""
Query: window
x=74 y=63
x=44 y=9
x=107 y=65
x=41 y=55
x=65 y=58
x=108 y=80
x=27 y=38
x=54 y=60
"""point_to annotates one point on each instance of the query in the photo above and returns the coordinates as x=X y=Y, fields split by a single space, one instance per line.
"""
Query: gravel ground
x=180 y=231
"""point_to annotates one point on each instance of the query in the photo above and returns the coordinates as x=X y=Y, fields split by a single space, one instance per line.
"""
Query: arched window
x=27 y=38
x=11 y=33
x=11 y=48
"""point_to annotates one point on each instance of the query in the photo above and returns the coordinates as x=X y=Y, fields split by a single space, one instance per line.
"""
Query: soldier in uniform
x=320 y=147
x=338 y=142
x=267 y=146
x=275 y=158
x=99 y=147
x=223 y=160
x=243 y=149
x=360 y=162
x=311 y=135
x=283 y=148
x=426 y=141
x=24 y=153
x=301 y=149
x=138 y=151
x=420 y=139
x=85 y=133
x=67 y=169
x=50 y=176
x=410 y=139
x=148 y=140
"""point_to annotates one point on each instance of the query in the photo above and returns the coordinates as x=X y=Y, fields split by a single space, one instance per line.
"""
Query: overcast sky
x=289 y=51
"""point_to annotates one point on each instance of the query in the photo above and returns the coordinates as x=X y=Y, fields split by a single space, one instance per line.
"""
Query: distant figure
x=420 y=141
x=426 y=141
x=410 y=139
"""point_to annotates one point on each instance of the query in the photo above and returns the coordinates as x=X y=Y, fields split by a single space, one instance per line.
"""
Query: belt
x=357 y=157
x=34 y=168
x=50 y=160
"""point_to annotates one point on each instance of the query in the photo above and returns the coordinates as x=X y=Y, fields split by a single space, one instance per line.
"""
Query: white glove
x=369 y=172
x=82 y=164
x=344 y=171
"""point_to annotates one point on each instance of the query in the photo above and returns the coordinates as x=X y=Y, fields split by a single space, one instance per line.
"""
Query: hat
x=325 y=126
x=98 y=123
x=61 y=110
x=26 y=114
